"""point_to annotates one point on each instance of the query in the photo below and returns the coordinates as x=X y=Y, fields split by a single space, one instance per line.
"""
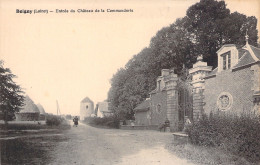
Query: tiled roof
x=41 y=109
x=241 y=52
x=212 y=73
x=29 y=106
x=144 y=106
x=247 y=58
x=244 y=60
x=256 y=51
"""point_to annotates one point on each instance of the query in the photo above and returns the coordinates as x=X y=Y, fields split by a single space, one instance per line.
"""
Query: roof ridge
x=251 y=52
x=254 y=46
x=226 y=45
x=235 y=66
x=87 y=99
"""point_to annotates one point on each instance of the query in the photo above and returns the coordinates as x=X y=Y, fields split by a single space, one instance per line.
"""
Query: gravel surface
x=97 y=146
x=86 y=145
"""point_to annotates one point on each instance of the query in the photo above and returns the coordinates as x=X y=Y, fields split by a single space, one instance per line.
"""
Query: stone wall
x=158 y=117
x=172 y=109
x=198 y=103
x=237 y=83
x=27 y=116
x=172 y=100
x=141 y=118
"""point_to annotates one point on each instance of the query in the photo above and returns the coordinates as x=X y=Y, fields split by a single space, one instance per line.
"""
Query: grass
x=36 y=150
x=206 y=155
x=33 y=126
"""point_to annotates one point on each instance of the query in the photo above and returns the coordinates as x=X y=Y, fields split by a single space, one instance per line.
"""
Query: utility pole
x=58 y=108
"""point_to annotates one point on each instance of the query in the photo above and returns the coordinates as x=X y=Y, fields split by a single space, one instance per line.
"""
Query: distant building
x=29 y=112
x=103 y=109
x=143 y=113
x=86 y=108
x=152 y=111
x=42 y=112
x=41 y=109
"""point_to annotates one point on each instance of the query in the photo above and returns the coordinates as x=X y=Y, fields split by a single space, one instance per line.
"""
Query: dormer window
x=227 y=57
x=226 y=60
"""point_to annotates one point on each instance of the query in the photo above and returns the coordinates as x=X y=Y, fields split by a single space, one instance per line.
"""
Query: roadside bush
x=239 y=134
x=109 y=121
x=52 y=120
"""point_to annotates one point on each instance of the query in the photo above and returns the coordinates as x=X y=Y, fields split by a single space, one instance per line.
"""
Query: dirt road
x=86 y=145
x=97 y=146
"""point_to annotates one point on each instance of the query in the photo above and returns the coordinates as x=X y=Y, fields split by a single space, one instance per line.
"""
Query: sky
x=69 y=56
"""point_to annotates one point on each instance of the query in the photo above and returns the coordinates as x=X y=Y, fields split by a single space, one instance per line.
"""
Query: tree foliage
x=11 y=95
x=211 y=25
x=206 y=27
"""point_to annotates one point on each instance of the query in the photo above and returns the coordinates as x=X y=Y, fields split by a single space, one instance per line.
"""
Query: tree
x=206 y=27
x=11 y=98
x=211 y=25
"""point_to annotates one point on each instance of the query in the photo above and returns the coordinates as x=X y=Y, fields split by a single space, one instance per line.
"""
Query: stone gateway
x=232 y=87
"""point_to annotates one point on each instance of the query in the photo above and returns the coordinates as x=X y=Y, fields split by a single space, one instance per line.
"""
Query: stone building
x=29 y=112
x=103 y=109
x=86 y=108
x=42 y=112
x=143 y=113
x=158 y=98
x=162 y=103
x=232 y=87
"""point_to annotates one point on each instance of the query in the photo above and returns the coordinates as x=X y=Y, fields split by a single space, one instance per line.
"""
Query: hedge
x=109 y=121
x=239 y=134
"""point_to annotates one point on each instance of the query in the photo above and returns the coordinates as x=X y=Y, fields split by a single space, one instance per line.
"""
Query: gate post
x=198 y=72
x=172 y=100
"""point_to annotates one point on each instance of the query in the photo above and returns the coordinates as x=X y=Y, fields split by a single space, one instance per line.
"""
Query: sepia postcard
x=109 y=82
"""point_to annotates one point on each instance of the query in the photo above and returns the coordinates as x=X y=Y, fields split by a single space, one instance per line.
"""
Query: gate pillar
x=198 y=72
x=172 y=100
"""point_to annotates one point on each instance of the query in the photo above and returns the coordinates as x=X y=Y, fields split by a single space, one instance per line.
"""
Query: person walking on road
x=76 y=121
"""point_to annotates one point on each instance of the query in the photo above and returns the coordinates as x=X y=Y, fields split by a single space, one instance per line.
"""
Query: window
x=159 y=85
x=224 y=101
x=226 y=60
x=229 y=61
